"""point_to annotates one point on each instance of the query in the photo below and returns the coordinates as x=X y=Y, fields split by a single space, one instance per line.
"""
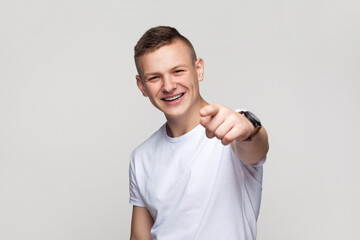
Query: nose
x=168 y=85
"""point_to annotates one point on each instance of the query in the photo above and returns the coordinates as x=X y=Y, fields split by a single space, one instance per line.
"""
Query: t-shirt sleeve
x=253 y=176
x=254 y=172
x=135 y=193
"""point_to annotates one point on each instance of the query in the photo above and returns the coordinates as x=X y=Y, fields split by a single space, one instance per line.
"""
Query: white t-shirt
x=195 y=188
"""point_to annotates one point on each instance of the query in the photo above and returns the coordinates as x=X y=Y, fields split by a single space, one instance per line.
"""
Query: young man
x=199 y=176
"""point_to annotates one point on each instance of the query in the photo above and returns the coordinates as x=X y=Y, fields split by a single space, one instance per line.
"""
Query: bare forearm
x=141 y=224
x=252 y=151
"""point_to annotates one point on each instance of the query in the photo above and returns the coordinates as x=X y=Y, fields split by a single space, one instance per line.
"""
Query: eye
x=152 y=78
x=178 y=71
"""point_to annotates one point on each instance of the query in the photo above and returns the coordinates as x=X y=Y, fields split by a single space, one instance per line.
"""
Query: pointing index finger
x=209 y=110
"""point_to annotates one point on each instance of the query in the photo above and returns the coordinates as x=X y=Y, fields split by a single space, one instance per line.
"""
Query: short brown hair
x=156 y=37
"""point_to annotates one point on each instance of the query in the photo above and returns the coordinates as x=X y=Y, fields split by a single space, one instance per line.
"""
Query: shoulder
x=148 y=145
x=141 y=157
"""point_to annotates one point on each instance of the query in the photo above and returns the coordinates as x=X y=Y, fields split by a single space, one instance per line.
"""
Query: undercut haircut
x=156 y=37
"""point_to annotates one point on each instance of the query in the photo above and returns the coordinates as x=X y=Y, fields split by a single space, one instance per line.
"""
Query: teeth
x=173 y=98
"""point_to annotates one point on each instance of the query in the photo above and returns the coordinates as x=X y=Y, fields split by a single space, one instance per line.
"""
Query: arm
x=141 y=224
x=233 y=128
x=251 y=152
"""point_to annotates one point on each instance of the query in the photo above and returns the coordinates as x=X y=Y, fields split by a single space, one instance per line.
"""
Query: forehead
x=166 y=57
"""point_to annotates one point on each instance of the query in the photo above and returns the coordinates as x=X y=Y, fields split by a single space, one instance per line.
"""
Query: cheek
x=189 y=80
x=153 y=90
x=193 y=82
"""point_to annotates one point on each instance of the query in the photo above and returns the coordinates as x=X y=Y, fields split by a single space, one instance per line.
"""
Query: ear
x=199 y=64
x=141 y=85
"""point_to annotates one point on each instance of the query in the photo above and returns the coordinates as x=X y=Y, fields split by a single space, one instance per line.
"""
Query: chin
x=175 y=113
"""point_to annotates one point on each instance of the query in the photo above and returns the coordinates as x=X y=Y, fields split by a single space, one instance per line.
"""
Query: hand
x=225 y=123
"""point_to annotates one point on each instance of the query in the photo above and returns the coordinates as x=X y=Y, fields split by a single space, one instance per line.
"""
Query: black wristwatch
x=255 y=121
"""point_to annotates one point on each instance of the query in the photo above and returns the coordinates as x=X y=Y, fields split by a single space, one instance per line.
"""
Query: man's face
x=171 y=79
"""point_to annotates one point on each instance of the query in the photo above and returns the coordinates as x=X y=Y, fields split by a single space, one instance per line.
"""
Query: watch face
x=254 y=116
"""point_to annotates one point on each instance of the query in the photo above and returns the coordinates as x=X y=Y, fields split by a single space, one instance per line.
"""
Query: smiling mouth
x=169 y=99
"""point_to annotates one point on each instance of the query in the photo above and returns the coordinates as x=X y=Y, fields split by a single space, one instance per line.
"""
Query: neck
x=176 y=127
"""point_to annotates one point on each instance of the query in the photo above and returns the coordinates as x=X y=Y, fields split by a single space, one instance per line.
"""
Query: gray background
x=70 y=111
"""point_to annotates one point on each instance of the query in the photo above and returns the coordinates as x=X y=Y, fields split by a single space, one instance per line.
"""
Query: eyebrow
x=157 y=73
x=180 y=66
x=150 y=74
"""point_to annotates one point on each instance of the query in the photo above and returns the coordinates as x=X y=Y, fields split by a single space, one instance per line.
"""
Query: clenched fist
x=225 y=123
